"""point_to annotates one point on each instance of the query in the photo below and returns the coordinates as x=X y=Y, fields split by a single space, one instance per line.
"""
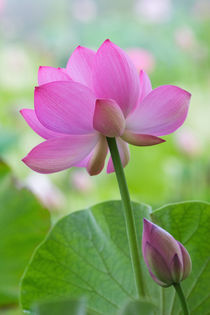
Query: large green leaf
x=86 y=254
x=138 y=307
x=23 y=225
x=61 y=307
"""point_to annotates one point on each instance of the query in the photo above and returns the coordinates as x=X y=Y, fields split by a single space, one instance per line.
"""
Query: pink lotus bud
x=167 y=260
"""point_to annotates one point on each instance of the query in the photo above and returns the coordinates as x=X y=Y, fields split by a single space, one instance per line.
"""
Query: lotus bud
x=167 y=260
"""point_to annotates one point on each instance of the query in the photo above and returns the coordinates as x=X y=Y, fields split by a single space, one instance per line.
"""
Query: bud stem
x=182 y=299
x=129 y=216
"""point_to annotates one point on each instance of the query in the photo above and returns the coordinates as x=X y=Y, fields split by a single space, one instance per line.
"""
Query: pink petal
x=187 y=263
x=50 y=74
x=124 y=155
x=80 y=64
x=65 y=107
x=156 y=263
x=176 y=269
x=162 y=284
x=108 y=118
x=162 y=241
x=96 y=162
x=84 y=162
x=31 y=119
x=115 y=77
x=58 y=154
x=147 y=227
x=161 y=112
x=141 y=139
x=145 y=85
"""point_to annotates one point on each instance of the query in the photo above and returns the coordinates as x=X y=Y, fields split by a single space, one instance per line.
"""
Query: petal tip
x=147 y=223
x=161 y=140
x=106 y=42
x=157 y=140
x=110 y=168
x=23 y=112
x=79 y=47
x=188 y=94
x=24 y=160
x=94 y=173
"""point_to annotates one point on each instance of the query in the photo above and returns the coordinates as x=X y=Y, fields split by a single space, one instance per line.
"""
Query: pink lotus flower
x=142 y=59
x=98 y=95
x=168 y=260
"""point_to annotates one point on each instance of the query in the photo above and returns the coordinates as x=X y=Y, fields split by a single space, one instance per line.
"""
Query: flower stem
x=183 y=301
x=129 y=215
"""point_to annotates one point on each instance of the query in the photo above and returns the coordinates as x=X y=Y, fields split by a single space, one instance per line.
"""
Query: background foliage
x=87 y=253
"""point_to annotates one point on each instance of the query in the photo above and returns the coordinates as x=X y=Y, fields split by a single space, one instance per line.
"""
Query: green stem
x=129 y=215
x=182 y=299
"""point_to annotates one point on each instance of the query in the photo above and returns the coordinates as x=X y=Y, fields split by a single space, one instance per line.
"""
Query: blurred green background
x=168 y=39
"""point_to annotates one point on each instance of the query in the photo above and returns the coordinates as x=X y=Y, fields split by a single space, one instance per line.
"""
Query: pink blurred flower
x=167 y=260
x=2 y=4
x=154 y=11
x=142 y=59
x=188 y=143
x=45 y=190
x=98 y=95
x=201 y=9
x=185 y=38
x=84 y=10
x=81 y=182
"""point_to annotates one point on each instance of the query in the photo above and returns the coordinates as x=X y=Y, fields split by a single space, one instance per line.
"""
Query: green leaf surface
x=61 y=307
x=86 y=254
x=23 y=225
x=138 y=307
